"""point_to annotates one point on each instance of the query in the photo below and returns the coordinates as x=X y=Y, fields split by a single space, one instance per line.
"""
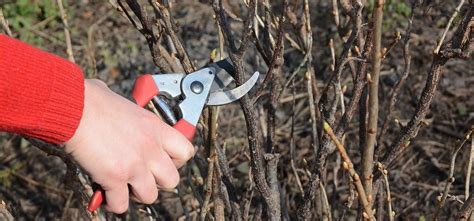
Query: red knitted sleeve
x=41 y=95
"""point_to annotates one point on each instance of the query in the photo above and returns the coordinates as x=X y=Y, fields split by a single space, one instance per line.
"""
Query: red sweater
x=41 y=95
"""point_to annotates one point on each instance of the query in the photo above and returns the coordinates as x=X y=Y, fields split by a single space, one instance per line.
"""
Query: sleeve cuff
x=65 y=105
x=42 y=95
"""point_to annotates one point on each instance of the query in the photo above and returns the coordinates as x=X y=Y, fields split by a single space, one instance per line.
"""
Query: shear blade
x=225 y=97
x=225 y=70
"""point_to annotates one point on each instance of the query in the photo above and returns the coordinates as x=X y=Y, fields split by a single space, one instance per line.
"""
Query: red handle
x=96 y=200
x=144 y=89
x=185 y=128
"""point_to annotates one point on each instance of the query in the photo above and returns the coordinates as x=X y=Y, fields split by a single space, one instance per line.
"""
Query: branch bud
x=356 y=177
x=345 y=165
x=369 y=77
x=364 y=214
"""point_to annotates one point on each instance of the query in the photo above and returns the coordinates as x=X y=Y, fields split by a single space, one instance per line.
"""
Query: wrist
x=85 y=118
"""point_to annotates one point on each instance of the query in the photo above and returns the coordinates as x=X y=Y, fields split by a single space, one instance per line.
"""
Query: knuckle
x=151 y=121
x=119 y=170
x=144 y=140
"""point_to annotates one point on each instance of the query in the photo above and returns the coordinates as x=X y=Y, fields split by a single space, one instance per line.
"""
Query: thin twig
x=38 y=184
x=309 y=76
x=90 y=50
x=411 y=129
x=469 y=168
x=451 y=19
x=293 y=74
x=395 y=90
x=349 y=166
x=277 y=58
x=67 y=35
x=292 y=142
x=333 y=66
x=312 y=111
x=160 y=55
x=350 y=199
x=67 y=204
x=391 y=213
x=384 y=52
x=326 y=207
x=219 y=204
x=182 y=54
x=450 y=179
x=4 y=23
x=333 y=55
x=208 y=189
x=379 y=203
x=226 y=177
x=335 y=12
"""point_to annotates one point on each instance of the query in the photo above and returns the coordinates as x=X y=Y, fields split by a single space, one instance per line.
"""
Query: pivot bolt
x=197 y=87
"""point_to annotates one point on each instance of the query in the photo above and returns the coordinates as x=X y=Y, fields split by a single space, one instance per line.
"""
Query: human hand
x=120 y=144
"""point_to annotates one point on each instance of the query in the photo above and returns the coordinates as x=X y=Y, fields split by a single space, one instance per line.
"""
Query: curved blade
x=225 y=97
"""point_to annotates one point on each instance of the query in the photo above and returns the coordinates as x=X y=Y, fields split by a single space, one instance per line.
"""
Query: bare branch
x=349 y=166
x=4 y=23
x=411 y=129
x=182 y=54
x=161 y=57
x=451 y=19
x=373 y=109
x=395 y=90
x=467 y=209
x=292 y=142
x=208 y=189
x=469 y=167
x=253 y=131
x=67 y=35
x=325 y=146
x=383 y=170
x=450 y=179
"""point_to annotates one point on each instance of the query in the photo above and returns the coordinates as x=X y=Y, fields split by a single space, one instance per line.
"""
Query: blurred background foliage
x=25 y=16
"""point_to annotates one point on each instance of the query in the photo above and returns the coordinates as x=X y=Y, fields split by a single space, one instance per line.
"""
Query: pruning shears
x=180 y=99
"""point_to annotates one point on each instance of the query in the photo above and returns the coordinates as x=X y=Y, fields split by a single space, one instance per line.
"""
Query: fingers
x=165 y=172
x=144 y=188
x=176 y=145
x=117 y=198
